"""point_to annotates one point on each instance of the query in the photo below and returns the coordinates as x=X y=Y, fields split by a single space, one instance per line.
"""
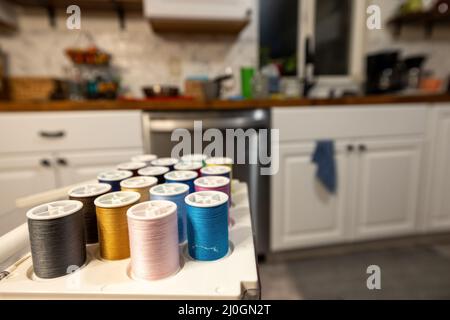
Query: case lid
x=215 y=170
x=114 y=175
x=219 y=160
x=188 y=165
x=139 y=182
x=131 y=165
x=181 y=175
x=89 y=190
x=152 y=210
x=212 y=181
x=153 y=171
x=164 y=162
x=206 y=199
x=169 y=189
x=196 y=157
x=147 y=158
x=117 y=199
x=54 y=210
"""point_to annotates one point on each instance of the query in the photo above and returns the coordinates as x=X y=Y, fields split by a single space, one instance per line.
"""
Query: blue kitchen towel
x=323 y=157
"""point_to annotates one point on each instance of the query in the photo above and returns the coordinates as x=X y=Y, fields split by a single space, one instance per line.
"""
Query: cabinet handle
x=350 y=148
x=46 y=163
x=52 y=134
x=62 y=162
x=362 y=148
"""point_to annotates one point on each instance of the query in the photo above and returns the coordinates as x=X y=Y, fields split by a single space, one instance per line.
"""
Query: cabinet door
x=24 y=175
x=439 y=207
x=387 y=187
x=74 y=167
x=303 y=212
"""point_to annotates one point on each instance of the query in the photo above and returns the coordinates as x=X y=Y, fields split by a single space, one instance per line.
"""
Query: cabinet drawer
x=348 y=122
x=48 y=131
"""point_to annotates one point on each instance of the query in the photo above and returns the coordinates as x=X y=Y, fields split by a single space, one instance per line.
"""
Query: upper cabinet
x=199 y=16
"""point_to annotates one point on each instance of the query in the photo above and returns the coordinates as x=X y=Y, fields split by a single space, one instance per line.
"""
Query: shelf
x=427 y=20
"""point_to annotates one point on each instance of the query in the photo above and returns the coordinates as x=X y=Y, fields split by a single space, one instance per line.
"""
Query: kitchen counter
x=188 y=105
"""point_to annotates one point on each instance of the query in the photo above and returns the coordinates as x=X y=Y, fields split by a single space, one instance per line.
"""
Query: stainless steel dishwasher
x=158 y=127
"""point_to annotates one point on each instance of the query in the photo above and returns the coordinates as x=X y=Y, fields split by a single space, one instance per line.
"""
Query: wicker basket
x=27 y=88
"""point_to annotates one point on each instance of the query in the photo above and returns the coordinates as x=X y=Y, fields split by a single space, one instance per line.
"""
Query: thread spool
x=132 y=166
x=220 y=161
x=196 y=157
x=189 y=166
x=157 y=172
x=175 y=192
x=186 y=177
x=57 y=238
x=207 y=225
x=165 y=162
x=141 y=185
x=153 y=239
x=222 y=171
x=87 y=194
x=113 y=178
x=112 y=223
x=214 y=183
x=146 y=158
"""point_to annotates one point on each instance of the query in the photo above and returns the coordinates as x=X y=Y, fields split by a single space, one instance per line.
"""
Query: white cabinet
x=378 y=154
x=387 y=187
x=304 y=212
x=438 y=204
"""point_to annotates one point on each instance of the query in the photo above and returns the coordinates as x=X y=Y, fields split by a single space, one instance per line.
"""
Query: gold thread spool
x=111 y=210
x=140 y=185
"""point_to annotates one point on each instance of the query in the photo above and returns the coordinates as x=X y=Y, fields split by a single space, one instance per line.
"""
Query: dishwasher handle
x=168 y=125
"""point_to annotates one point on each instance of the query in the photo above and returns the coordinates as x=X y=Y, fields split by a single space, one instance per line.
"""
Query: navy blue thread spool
x=113 y=178
x=165 y=162
x=157 y=172
x=207 y=225
x=146 y=158
x=186 y=177
x=175 y=192
x=132 y=166
x=223 y=171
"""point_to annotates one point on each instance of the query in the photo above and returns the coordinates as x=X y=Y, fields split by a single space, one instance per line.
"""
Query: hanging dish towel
x=323 y=157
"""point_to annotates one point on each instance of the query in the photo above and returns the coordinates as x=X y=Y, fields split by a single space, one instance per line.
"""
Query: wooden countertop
x=186 y=104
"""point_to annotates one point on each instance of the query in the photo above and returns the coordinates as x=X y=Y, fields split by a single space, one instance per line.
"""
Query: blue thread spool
x=113 y=178
x=222 y=171
x=175 y=192
x=186 y=177
x=165 y=162
x=207 y=225
x=157 y=172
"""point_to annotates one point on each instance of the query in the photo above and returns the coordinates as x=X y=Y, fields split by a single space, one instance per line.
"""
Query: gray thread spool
x=57 y=238
x=87 y=194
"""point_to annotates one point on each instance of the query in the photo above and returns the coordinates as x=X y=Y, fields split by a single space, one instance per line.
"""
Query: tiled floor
x=417 y=272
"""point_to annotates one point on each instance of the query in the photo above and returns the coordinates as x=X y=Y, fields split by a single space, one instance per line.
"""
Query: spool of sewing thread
x=157 y=172
x=165 y=162
x=153 y=239
x=175 y=192
x=197 y=157
x=113 y=178
x=146 y=158
x=87 y=194
x=220 y=161
x=189 y=166
x=132 y=166
x=186 y=177
x=222 y=171
x=214 y=183
x=57 y=238
x=207 y=225
x=112 y=223
x=141 y=185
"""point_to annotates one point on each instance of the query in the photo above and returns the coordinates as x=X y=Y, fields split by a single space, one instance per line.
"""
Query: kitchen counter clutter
x=190 y=104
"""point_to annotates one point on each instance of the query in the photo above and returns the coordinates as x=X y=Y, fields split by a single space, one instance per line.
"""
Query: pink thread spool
x=215 y=183
x=153 y=233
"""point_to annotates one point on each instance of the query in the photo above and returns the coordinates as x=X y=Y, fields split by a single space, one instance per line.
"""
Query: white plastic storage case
x=232 y=277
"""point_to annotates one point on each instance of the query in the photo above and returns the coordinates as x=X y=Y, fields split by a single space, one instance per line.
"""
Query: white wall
x=143 y=56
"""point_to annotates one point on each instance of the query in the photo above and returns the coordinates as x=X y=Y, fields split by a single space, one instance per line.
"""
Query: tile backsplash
x=142 y=56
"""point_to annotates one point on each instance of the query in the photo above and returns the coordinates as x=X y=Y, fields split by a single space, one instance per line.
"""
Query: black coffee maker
x=384 y=72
